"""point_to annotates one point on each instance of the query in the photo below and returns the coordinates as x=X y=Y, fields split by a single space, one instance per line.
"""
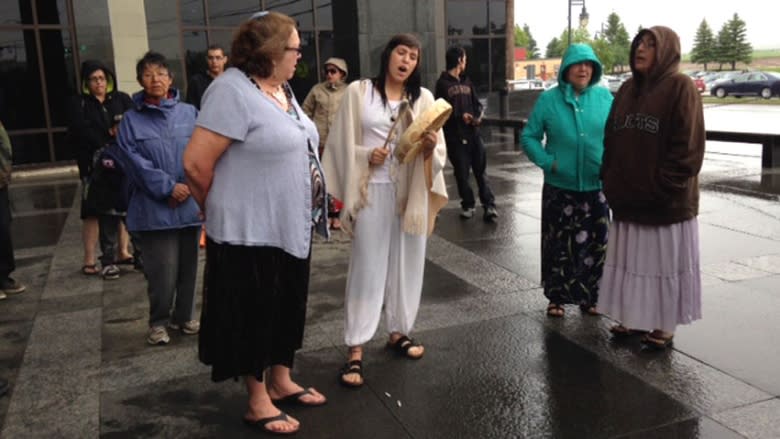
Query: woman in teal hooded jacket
x=571 y=116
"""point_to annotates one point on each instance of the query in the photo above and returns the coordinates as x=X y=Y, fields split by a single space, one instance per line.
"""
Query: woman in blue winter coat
x=151 y=145
x=565 y=137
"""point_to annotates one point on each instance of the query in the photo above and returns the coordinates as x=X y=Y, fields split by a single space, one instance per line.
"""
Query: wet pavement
x=495 y=367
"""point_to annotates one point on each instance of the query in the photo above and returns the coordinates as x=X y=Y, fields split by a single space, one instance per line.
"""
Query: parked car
x=526 y=84
x=700 y=84
x=764 y=84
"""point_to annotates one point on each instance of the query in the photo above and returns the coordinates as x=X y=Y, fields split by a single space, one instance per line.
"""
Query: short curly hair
x=260 y=41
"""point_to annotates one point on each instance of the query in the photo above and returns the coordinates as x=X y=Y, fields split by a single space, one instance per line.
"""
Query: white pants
x=386 y=266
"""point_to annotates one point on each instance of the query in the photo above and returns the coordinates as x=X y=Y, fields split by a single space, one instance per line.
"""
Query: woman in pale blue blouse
x=253 y=167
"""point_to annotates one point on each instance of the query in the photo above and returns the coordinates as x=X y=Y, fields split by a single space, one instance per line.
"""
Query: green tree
x=521 y=38
x=703 y=51
x=740 y=49
x=605 y=52
x=732 y=45
x=720 y=54
x=554 y=49
x=533 y=49
x=618 y=41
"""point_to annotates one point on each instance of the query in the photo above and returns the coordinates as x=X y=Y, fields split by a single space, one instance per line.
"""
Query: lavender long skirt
x=651 y=276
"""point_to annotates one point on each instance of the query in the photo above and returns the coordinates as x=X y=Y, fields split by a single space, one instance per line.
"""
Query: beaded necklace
x=279 y=95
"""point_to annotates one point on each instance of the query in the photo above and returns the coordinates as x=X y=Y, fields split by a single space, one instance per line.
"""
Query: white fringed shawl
x=420 y=187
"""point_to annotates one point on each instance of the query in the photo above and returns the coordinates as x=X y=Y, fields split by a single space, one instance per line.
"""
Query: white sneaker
x=157 y=335
x=467 y=212
x=191 y=327
x=110 y=272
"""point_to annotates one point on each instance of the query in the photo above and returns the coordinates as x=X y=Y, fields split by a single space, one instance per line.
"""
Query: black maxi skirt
x=253 y=311
x=574 y=243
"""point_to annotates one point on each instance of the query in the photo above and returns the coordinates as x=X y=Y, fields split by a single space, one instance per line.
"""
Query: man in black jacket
x=199 y=82
x=464 y=144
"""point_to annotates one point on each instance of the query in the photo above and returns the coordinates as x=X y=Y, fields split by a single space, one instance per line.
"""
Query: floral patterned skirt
x=574 y=242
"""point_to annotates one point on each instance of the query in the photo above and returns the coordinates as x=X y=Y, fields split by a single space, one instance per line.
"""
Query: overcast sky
x=548 y=19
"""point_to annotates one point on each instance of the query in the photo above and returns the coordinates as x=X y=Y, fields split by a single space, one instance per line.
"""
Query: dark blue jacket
x=151 y=142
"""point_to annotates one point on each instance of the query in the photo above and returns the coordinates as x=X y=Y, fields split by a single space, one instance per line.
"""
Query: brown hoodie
x=654 y=140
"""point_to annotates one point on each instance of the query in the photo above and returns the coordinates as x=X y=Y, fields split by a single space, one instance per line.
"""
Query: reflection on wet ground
x=39 y=209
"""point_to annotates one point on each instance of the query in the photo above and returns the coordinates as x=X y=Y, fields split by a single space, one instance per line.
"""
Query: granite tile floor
x=495 y=367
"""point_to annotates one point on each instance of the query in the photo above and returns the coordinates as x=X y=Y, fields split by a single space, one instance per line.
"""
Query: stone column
x=129 y=38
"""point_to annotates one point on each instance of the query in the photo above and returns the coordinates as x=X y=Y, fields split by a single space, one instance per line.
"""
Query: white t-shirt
x=377 y=121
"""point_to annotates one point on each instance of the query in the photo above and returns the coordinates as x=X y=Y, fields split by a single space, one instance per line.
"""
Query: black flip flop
x=294 y=399
x=262 y=424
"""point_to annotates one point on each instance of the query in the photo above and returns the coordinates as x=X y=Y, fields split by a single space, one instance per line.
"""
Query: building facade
x=43 y=42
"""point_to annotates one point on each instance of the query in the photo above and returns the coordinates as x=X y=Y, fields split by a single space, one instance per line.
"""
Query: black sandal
x=402 y=346
x=589 y=310
x=352 y=367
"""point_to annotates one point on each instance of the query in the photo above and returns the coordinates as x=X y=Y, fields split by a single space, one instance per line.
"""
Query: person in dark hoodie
x=653 y=152
x=575 y=214
x=465 y=148
x=151 y=143
x=94 y=117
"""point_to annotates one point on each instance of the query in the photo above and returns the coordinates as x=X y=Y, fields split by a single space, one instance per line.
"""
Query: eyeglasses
x=294 y=49
x=258 y=15
x=97 y=79
x=331 y=71
x=148 y=76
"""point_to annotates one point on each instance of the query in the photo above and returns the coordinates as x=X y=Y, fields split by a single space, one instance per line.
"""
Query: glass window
x=306 y=71
x=466 y=17
x=11 y=14
x=324 y=14
x=92 y=28
x=21 y=101
x=300 y=11
x=63 y=150
x=223 y=38
x=231 y=13
x=498 y=63
x=192 y=13
x=31 y=148
x=194 y=52
x=52 y=12
x=59 y=73
x=162 y=28
x=497 y=18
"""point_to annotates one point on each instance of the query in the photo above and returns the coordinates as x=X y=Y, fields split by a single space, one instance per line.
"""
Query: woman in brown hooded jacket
x=653 y=151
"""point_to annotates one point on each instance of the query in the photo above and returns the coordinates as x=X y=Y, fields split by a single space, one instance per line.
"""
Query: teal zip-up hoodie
x=573 y=125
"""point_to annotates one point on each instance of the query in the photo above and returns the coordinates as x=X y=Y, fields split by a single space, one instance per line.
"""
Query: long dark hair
x=413 y=83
